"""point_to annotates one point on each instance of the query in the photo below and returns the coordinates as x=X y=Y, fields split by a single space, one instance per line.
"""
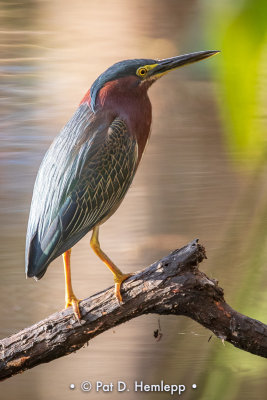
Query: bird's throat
x=130 y=102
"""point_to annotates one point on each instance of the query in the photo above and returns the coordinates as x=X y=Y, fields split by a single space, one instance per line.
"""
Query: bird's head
x=140 y=73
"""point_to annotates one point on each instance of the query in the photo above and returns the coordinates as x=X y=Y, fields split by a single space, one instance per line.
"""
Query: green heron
x=89 y=167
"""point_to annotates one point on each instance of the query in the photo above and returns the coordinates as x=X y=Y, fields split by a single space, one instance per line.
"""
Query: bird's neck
x=129 y=102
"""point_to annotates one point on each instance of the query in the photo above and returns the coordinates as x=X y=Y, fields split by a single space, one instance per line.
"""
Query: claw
x=74 y=302
x=119 y=279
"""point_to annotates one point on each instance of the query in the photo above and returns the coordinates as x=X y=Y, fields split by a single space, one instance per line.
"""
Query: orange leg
x=119 y=276
x=70 y=298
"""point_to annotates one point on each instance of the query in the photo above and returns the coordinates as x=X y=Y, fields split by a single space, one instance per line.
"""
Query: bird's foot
x=74 y=302
x=118 y=279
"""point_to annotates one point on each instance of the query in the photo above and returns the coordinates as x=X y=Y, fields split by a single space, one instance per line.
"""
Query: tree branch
x=173 y=285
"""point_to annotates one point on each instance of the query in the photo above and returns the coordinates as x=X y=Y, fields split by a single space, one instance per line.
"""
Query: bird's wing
x=81 y=182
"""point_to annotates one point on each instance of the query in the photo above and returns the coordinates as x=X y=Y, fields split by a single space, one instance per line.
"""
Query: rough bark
x=173 y=285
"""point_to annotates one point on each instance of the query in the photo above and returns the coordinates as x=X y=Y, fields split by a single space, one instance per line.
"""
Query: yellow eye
x=141 y=71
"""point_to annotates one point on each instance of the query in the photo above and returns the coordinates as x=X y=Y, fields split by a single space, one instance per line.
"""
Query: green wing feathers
x=104 y=180
x=80 y=184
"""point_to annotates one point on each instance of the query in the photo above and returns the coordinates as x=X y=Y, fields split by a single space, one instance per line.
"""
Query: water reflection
x=186 y=187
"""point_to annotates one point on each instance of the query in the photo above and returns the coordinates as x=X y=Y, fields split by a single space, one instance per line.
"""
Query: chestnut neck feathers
x=127 y=99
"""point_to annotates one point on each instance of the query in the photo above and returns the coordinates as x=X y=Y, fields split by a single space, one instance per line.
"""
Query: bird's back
x=82 y=179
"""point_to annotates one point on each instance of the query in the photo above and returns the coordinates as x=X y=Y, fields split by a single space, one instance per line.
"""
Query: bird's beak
x=168 y=64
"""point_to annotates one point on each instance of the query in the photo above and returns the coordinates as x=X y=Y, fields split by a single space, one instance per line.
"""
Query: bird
x=90 y=166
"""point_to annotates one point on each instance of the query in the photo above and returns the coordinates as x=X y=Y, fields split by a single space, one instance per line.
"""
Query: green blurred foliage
x=239 y=30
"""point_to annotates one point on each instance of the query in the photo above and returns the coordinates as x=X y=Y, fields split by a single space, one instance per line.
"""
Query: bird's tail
x=40 y=253
x=36 y=261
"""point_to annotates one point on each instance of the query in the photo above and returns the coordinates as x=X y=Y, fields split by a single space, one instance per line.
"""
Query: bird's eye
x=141 y=71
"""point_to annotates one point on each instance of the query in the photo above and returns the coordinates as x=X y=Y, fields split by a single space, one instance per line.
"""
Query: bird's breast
x=135 y=111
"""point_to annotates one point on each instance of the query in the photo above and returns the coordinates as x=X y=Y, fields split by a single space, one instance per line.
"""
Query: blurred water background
x=203 y=175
